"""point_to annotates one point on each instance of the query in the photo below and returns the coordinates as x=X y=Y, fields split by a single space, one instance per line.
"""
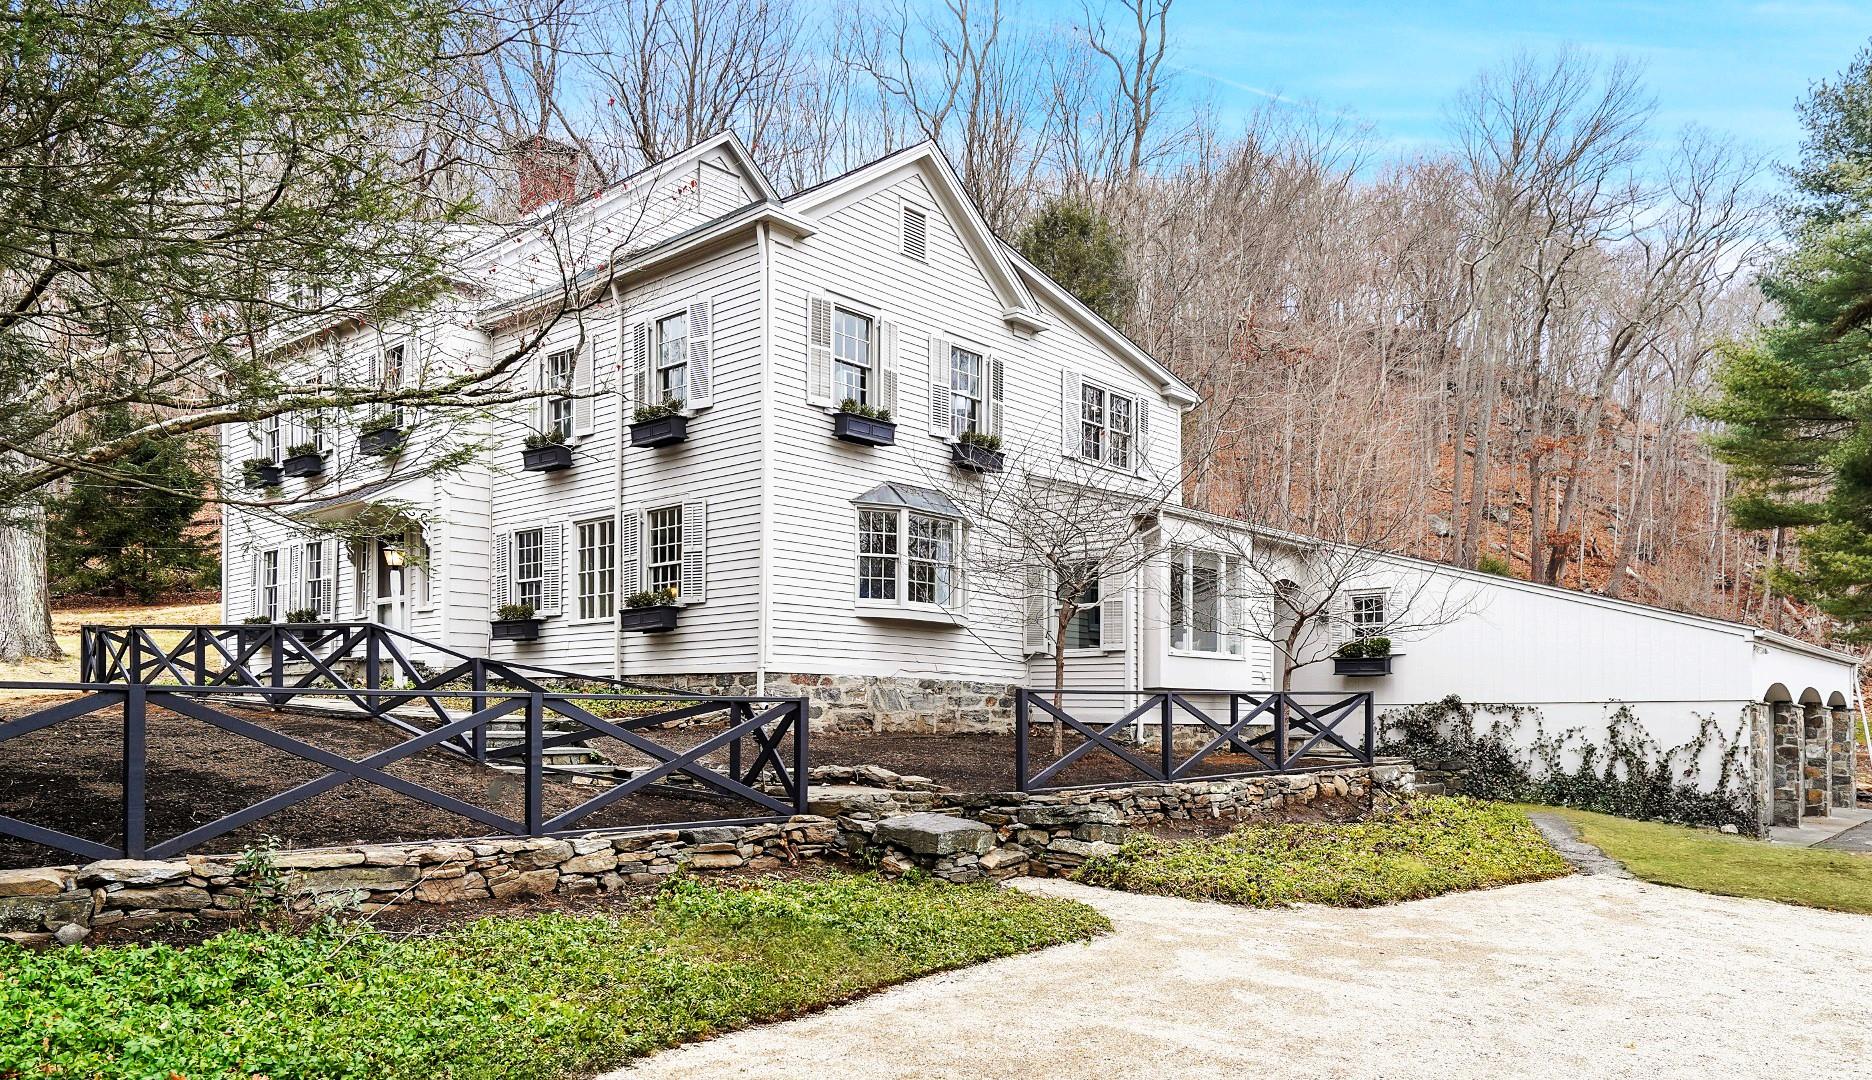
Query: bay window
x=907 y=557
x=1200 y=602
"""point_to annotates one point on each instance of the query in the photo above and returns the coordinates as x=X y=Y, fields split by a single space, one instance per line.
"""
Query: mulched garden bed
x=68 y=777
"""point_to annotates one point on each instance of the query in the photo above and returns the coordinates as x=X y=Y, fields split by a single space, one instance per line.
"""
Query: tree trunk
x=25 y=600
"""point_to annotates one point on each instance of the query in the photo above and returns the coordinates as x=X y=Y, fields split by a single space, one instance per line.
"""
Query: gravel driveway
x=1581 y=976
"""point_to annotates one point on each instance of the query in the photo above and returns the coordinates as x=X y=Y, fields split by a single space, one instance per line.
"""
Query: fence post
x=199 y=636
x=135 y=741
x=85 y=674
x=133 y=653
x=480 y=703
x=1371 y=731
x=1280 y=731
x=373 y=668
x=738 y=711
x=1166 y=742
x=535 y=761
x=802 y=763
x=1020 y=739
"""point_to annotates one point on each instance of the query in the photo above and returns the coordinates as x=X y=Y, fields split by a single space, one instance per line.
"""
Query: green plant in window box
x=304 y=449
x=515 y=622
x=303 y=615
x=260 y=472
x=651 y=598
x=980 y=439
x=256 y=620
x=513 y=613
x=1366 y=648
x=658 y=411
x=383 y=421
x=539 y=440
x=869 y=412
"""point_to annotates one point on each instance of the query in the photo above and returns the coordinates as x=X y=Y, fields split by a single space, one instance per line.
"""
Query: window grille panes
x=270 y=585
x=877 y=555
x=315 y=583
x=270 y=437
x=1118 y=441
x=1179 y=600
x=1092 y=423
x=1206 y=601
x=672 y=358
x=931 y=568
x=390 y=375
x=851 y=356
x=1082 y=630
x=559 y=367
x=966 y=393
x=1368 y=613
x=663 y=549
x=597 y=568
x=529 y=567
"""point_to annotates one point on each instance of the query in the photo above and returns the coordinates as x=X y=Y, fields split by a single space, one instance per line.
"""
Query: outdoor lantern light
x=393 y=556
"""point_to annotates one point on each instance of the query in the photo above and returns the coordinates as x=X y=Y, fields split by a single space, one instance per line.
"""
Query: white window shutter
x=1140 y=453
x=582 y=386
x=997 y=394
x=819 y=351
x=296 y=578
x=694 y=586
x=501 y=582
x=1340 y=619
x=361 y=571
x=887 y=367
x=254 y=605
x=552 y=567
x=1239 y=608
x=328 y=573
x=941 y=422
x=701 y=355
x=1039 y=624
x=1112 y=626
x=636 y=381
x=1071 y=412
x=630 y=551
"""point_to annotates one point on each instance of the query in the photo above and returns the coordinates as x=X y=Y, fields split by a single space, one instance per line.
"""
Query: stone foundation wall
x=873 y=703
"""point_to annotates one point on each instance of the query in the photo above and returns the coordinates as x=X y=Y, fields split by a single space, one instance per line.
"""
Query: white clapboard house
x=804 y=557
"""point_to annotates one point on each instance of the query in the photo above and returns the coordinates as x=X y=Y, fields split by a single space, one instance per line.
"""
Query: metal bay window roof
x=915 y=498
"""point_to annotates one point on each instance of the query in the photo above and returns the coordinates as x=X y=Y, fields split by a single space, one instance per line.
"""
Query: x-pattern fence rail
x=1281 y=731
x=214 y=669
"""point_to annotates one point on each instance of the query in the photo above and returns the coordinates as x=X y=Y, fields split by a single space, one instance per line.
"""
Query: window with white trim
x=317 y=586
x=597 y=568
x=854 y=356
x=1084 y=630
x=663 y=549
x=270 y=584
x=529 y=569
x=270 y=438
x=672 y=358
x=1107 y=426
x=558 y=372
x=1368 y=612
x=390 y=375
x=967 y=391
x=1199 y=603
x=908 y=557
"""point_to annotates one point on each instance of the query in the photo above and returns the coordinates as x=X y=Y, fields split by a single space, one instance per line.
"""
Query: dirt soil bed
x=986 y=762
x=68 y=777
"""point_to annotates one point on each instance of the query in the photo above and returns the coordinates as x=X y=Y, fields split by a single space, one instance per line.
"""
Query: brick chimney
x=547 y=170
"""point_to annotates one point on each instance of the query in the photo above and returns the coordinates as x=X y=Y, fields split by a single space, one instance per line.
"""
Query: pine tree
x=1075 y=246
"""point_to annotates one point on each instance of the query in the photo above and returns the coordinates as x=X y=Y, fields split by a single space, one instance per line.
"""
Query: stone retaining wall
x=899 y=824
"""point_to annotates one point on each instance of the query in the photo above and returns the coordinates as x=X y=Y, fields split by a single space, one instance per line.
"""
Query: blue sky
x=1729 y=65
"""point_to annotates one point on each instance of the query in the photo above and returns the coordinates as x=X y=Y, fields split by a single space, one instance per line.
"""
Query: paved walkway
x=1857 y=839
x=1580 y=977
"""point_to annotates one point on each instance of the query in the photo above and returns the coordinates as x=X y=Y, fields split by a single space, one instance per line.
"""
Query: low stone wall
x=868 y=703
x=896 y=824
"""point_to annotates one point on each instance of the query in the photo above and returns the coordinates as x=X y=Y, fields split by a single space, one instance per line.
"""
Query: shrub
x=513 y=612
x=304 y=449
x=651 y=598
x=380 y=422
x=1422 y=847
x=1494 y=564
x=1628 y=774
x=859 y=408
x=303 y=615
x=256 y=620
x=540 y=439
x=982 y=439
x=251 y=469
x=647 y=413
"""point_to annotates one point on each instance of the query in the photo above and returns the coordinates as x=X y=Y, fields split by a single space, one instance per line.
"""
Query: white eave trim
x=1103 y=332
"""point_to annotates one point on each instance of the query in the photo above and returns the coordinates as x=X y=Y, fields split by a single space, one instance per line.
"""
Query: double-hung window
x=672 y=358
x=1199 y=601
x=908 y=557
x=597 y=568
x=270 y=437
x=1107 y=426
x=317 y=587
x=529 y=572
x=967 y=391
x=390 y=375
x=663 y=555
x=559 y=370
x=854 y=357
x=1368 y=613
x=270 y=584
x=1084 y=629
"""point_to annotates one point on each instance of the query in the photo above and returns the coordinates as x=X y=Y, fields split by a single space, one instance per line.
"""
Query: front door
x=387 y=588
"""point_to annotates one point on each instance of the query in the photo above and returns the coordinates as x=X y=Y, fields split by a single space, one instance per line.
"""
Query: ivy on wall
x=1627 y=773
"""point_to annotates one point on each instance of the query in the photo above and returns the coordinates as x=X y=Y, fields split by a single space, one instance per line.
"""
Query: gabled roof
x=1101 y=331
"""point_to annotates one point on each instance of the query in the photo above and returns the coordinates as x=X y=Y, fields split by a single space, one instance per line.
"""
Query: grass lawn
x=542 y=996
x=65 y=626
x=1423 y=848
x=1729 y=865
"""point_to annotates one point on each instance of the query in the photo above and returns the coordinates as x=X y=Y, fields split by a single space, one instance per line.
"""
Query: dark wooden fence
x=215 y=669
x=1291 y=731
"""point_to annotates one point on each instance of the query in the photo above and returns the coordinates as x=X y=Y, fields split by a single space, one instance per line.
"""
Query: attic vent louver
x=915 y=233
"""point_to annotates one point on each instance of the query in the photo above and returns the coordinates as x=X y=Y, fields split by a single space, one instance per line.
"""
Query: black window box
x=976 y=459
x=864 y=430
x=381 y=442
x=263 y=476
x=303 y=465
x=1362 y=666
x=515 y=629
x=648 y=620
x=663 y=431
x=549 y=458
x=254 y=636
